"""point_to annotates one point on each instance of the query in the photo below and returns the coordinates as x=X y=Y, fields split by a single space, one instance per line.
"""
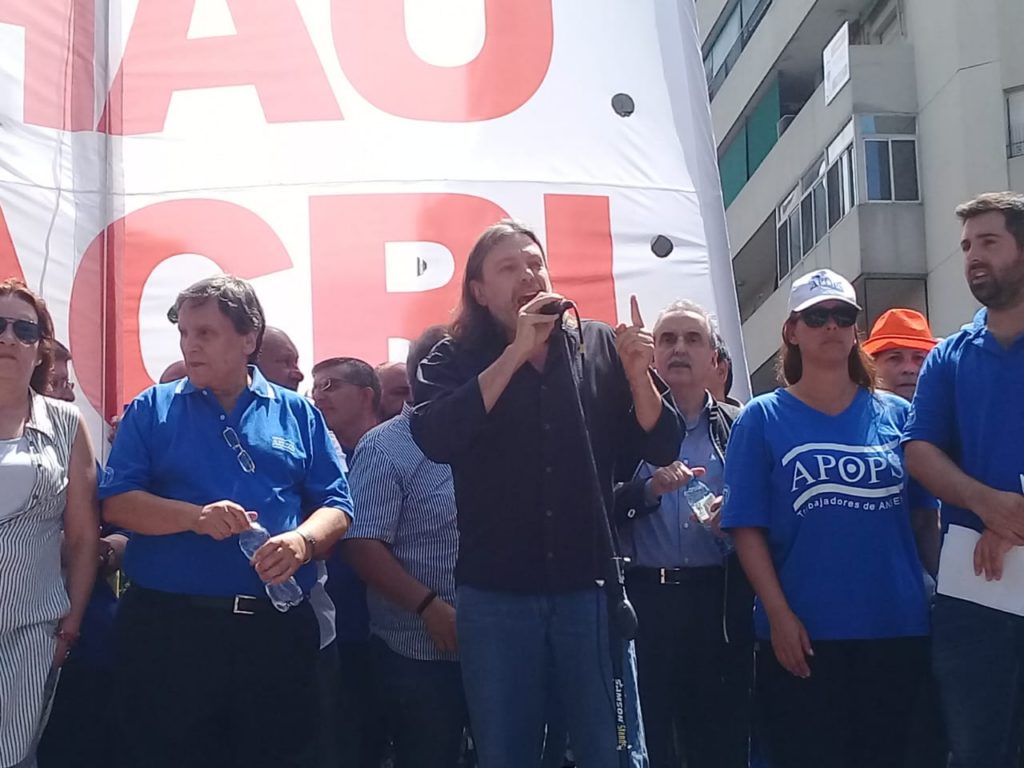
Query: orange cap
x=900 y=329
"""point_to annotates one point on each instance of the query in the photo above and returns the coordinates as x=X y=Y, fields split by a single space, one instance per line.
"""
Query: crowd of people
x=420 y=564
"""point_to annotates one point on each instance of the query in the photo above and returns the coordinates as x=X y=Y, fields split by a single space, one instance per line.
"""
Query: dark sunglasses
x=817 y=317
x=25 y=331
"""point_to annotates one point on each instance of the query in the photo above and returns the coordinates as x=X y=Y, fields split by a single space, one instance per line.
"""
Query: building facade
x=848 y=131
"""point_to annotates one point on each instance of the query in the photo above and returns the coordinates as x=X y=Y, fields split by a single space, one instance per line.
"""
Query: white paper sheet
x=957 y=577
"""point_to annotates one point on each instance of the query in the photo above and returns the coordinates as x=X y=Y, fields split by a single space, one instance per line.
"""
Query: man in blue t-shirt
x=963 y=442
x=211 y=673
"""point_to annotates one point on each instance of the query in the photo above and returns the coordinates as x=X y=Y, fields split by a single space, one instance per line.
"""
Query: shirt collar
x=39 y=416
x=704 y=411
x=258 y=385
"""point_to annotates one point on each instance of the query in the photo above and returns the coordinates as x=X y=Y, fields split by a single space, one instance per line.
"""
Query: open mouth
x=525 y=299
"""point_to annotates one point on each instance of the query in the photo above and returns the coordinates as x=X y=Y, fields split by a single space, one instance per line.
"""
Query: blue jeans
x=978 y=659
x=515 y=649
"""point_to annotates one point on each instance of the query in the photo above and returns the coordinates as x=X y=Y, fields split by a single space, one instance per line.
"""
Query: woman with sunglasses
x=48 y=482
x=817 y=501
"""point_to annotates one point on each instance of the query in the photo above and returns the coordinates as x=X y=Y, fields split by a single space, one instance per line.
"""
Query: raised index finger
x=634 y=311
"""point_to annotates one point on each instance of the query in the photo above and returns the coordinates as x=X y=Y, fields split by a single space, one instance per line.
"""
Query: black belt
x=240 y=605
x=701 y=575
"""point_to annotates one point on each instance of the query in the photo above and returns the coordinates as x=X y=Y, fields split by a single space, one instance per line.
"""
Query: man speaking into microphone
x=500 y=402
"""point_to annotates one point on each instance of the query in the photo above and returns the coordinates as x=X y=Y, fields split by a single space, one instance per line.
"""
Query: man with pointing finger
x=695 y=643
x=500 y=401
x=212 y=673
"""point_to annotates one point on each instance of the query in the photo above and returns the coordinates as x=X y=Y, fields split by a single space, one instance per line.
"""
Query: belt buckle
x=661 y=574
x=238 y=610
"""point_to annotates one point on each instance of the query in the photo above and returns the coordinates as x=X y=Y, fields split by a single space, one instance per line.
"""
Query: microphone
x=557 y=307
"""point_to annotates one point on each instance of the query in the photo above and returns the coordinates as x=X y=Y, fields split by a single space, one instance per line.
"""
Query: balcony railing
x=749 y=25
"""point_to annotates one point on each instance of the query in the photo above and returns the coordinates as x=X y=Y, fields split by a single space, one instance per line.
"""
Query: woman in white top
x=48 y=482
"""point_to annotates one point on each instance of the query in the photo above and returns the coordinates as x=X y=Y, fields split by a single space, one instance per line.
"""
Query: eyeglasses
x=244 y=459
x=327 y=385
x=25 y=331
x=816 y=317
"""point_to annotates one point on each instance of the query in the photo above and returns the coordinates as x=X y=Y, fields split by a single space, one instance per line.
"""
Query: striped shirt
x=32 y=594
x=408 y=502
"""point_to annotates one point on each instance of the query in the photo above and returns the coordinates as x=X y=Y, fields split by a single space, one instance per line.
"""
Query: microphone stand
x=622 y=622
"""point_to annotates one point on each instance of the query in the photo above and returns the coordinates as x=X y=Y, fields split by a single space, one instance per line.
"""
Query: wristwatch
x=310 y=540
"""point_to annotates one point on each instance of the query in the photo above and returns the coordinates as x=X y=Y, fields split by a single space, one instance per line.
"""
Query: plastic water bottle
x=283 y=596
x=700 y=498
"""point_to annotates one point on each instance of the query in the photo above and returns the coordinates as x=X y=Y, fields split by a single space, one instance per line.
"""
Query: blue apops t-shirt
x=832 y=494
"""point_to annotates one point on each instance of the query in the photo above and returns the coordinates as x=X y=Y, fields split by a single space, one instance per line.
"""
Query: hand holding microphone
x=536 y=320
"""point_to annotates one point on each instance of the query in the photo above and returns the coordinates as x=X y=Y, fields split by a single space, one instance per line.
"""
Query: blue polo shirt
x=968 y=405
x=171 y=443
x=834 y=500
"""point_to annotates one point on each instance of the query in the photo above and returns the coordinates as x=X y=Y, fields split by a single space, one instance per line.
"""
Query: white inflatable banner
x=343 y=155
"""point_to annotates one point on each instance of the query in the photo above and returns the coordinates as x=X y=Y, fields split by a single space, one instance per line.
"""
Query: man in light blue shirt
x=404 y=547
x=211 y=673
x=695 y=642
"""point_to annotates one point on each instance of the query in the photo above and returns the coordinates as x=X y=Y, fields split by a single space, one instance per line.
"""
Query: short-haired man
x=963 y=443
x=404 y=546
x=347 y=392
x=511 y=405
x=721 y=379
x=900 y=340
x=279 y=359
x=60 y=385
x=395 y=392
x=695 y=646
x=210 y=672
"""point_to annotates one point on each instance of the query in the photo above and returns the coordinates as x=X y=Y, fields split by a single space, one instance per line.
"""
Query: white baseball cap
x=818 y=286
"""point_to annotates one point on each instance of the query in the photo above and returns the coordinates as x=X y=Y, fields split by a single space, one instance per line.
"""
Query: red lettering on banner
x=353 y=313
x=59 y=46
x=272 y=51
x=238 y=240
x=374 y=51
x=579 y=240
x=9 y=264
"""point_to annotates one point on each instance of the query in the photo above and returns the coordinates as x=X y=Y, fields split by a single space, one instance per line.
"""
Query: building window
x=839 y=187
x=824 y=196
x=891 y=170
x=1015 y=122
x=723 y=51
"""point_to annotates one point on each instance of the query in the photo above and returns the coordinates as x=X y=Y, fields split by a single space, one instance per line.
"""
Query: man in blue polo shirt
x=963 y=443
x=211 y=673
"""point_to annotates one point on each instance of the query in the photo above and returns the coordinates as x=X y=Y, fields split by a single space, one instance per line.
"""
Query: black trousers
x=855 y=709
x=206 y=688
x=695 y=686
x=80 y=730
x=361 y=733
x=425 y=706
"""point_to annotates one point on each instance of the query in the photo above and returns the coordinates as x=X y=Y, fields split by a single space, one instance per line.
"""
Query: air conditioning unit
x=784 y=123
